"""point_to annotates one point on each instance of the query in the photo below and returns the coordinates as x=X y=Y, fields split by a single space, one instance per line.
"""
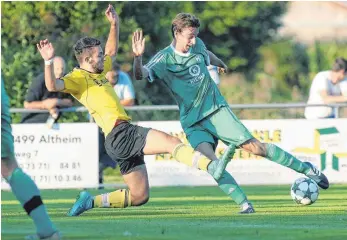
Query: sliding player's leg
x=127 y=144
x=160 y=142
x=136 y=194
x=135 y=177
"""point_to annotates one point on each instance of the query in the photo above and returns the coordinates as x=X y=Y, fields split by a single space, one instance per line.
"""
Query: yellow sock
x=186 y=155
x=117 y=199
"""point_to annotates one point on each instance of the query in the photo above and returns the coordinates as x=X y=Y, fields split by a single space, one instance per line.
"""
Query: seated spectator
x=38 y=97
x=326 y=88
x=122 y=84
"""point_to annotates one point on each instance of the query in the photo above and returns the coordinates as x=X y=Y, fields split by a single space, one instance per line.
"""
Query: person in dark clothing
x=38 y=97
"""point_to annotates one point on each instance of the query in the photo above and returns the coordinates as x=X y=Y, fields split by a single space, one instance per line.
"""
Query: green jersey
x=187 y=77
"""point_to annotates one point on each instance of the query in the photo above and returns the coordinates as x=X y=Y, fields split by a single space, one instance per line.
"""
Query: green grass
x=192 y=213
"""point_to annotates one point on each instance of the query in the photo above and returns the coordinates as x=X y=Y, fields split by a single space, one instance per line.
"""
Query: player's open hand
x=111 y=15
x=138 y=43
x=46 y=49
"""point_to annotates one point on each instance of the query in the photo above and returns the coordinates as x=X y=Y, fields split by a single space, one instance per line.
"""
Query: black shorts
x=125 y=144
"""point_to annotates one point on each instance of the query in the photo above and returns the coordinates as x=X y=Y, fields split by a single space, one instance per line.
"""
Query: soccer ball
x=304 y=191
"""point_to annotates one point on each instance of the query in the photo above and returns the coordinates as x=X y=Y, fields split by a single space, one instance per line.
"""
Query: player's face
x=96 y=60
x=187 y=38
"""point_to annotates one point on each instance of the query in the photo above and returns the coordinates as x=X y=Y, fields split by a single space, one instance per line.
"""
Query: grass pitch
x=191 y=213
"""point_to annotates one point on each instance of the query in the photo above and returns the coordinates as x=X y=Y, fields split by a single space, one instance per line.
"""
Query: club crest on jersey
x=194 y=70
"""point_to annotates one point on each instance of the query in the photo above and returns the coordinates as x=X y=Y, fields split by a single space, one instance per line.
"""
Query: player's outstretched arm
x=112 y=43
x=214 y=60
x=138 y=44
x=46 y=50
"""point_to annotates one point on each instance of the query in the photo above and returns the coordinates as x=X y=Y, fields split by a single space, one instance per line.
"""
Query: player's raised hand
x=46 y=49
x=111 y=15
x=138 y=43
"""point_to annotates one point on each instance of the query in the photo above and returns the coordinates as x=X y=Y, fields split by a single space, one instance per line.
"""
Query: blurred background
x=273 y=49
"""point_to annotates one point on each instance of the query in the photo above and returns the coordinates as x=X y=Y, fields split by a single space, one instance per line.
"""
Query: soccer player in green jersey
x=204 y=113
x=23 y=187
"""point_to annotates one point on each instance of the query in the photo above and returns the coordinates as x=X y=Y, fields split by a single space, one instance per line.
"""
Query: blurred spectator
x=38 y=97
x=328 y=87
x=122 y=85
x=213 y=70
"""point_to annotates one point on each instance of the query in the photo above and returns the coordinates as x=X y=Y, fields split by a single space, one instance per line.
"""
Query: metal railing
x=335 y=106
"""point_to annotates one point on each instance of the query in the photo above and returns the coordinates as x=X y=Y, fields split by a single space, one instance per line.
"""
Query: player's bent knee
x=256 y=147
x=173 y=142
x=260 y=149
x=7 y=167
x=138 y=200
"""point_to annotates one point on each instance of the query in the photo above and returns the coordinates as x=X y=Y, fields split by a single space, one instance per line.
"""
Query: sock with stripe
x=230 y=187
x=27 y=193
x=284 y=158
x=117 y=199
x=187 y=155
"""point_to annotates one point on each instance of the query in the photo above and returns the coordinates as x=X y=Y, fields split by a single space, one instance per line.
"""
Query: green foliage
x=240 y=33
x=287 y=62
x=322 y=55
x=234 y=29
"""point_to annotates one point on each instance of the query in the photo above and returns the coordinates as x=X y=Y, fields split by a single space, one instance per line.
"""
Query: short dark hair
x=84 y=44
x=184 y=20
x=340 y=64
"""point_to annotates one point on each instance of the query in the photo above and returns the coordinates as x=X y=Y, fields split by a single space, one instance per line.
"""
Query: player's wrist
x=48 y=62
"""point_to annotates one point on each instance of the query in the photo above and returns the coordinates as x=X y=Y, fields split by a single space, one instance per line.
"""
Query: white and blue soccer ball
x=304 y=191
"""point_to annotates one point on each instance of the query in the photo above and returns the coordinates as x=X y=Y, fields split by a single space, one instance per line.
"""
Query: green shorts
x=7 y=148
x=221 y=125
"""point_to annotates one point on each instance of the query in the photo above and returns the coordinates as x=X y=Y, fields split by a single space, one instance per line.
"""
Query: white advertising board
x=322 y=142
x=63 y=157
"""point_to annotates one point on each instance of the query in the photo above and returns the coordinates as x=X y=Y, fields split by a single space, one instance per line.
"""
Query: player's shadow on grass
x=190 y=202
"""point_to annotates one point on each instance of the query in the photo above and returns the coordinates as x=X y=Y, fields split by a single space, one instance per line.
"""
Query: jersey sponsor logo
x=100 y=82
x=197 y=79
x=194 y=70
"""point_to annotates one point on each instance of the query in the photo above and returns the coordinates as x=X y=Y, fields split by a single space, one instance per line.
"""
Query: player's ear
x=88 y=59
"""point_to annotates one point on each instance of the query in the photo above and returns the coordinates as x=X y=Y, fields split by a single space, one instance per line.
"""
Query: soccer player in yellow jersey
x=124 y=143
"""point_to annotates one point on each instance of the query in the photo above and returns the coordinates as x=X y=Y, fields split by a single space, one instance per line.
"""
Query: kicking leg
x=227 y=183
x=278 y=155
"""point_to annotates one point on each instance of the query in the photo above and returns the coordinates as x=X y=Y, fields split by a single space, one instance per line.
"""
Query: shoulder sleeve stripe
x=157 y=58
